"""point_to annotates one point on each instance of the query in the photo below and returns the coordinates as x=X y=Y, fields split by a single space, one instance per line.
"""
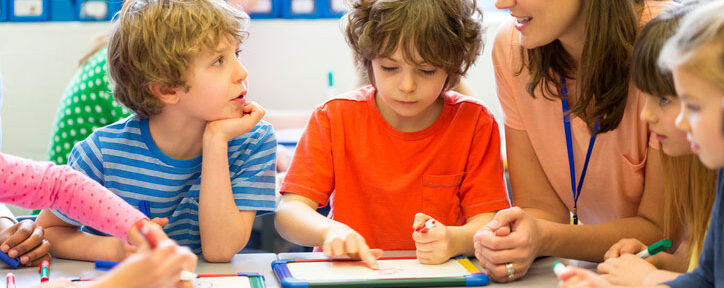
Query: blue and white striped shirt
x=124 y=158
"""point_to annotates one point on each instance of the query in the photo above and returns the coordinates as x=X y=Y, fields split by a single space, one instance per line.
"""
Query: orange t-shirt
x=376 y=177
x=614 y=182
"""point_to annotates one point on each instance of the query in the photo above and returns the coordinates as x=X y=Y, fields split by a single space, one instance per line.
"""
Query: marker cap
x=659 y=246
x=559 y=268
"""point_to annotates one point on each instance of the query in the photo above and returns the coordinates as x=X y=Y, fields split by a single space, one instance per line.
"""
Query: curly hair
x=446 y=34
x=153 y=41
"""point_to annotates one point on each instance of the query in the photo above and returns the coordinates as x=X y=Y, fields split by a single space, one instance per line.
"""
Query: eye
x=219 y=61
x=388 y=68
x=692 y=107
x=428 y=72
x=238 y=53
x=663 y=101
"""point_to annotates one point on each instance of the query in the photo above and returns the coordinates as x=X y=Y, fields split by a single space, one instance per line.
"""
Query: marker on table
x=657 y=247
x=79 y=279
x=105 y=265
x=44 y=270
x=428 y=225
x=185 y=275
x=559 y=268
x=12 y=262
x=10 y=280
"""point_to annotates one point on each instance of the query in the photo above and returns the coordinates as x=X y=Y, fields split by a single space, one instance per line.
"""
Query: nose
x=504 y=4
x=682 y=120
x=240 y=72
x=407 y=84
x=646 y=113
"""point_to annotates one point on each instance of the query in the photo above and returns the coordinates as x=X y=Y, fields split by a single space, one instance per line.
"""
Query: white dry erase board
x=394 y=271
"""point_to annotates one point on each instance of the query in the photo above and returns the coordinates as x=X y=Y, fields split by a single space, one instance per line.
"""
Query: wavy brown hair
x=152 y=42
x=446 y=34
x=603 y=71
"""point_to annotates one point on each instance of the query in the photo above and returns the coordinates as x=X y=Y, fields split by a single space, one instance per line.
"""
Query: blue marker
x=104 y=265
x=12 y=262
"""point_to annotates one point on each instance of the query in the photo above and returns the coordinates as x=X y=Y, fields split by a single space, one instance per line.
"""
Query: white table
x=257 y=262
x=539 y=275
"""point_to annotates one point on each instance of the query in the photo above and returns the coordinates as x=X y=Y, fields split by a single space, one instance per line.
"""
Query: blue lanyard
x=569 y=145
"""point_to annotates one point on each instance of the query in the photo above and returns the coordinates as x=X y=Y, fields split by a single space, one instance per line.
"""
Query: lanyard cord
x=576 y=189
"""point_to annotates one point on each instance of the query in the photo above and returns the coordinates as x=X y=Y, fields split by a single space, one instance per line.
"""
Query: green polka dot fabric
x=87 y=104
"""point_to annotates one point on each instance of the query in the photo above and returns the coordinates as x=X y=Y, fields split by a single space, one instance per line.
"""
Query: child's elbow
x=223 y=254
x=218 y=256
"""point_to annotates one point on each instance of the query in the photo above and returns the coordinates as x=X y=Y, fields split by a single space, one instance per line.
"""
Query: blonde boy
x=194 y=152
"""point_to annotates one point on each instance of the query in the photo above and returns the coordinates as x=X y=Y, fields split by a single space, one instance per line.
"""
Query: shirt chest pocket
x=440 y=196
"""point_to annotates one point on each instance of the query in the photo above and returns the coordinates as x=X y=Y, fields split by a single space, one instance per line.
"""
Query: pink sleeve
x=504 y=75
x=33 y=184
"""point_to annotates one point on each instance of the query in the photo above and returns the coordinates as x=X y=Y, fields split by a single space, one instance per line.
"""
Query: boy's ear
x=166 y=94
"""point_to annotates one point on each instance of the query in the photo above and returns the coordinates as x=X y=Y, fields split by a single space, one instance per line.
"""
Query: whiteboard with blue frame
x=393 y=271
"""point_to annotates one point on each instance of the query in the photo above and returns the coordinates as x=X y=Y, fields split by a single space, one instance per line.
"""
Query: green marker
x=330 y=83
x=559 y=268
x=657 y=247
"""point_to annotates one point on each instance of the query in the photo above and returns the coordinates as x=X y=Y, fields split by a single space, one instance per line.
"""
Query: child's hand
x=227 y=129
x=581 y=278
x=137 y=243
x=56 y=283
x=627 y=270
x=24 y=240
x=160 y=267
x=624 y=246
x=432 y=243
x=154 y=225
x=160 y=221
x=138 y=240
x=342 y=240
x=123 y=250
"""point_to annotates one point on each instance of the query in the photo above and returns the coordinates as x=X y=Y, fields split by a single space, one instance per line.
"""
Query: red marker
x=428 y=224
x=44 y=270
x=10 y=280
x=146 y=234
x=185 y=275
